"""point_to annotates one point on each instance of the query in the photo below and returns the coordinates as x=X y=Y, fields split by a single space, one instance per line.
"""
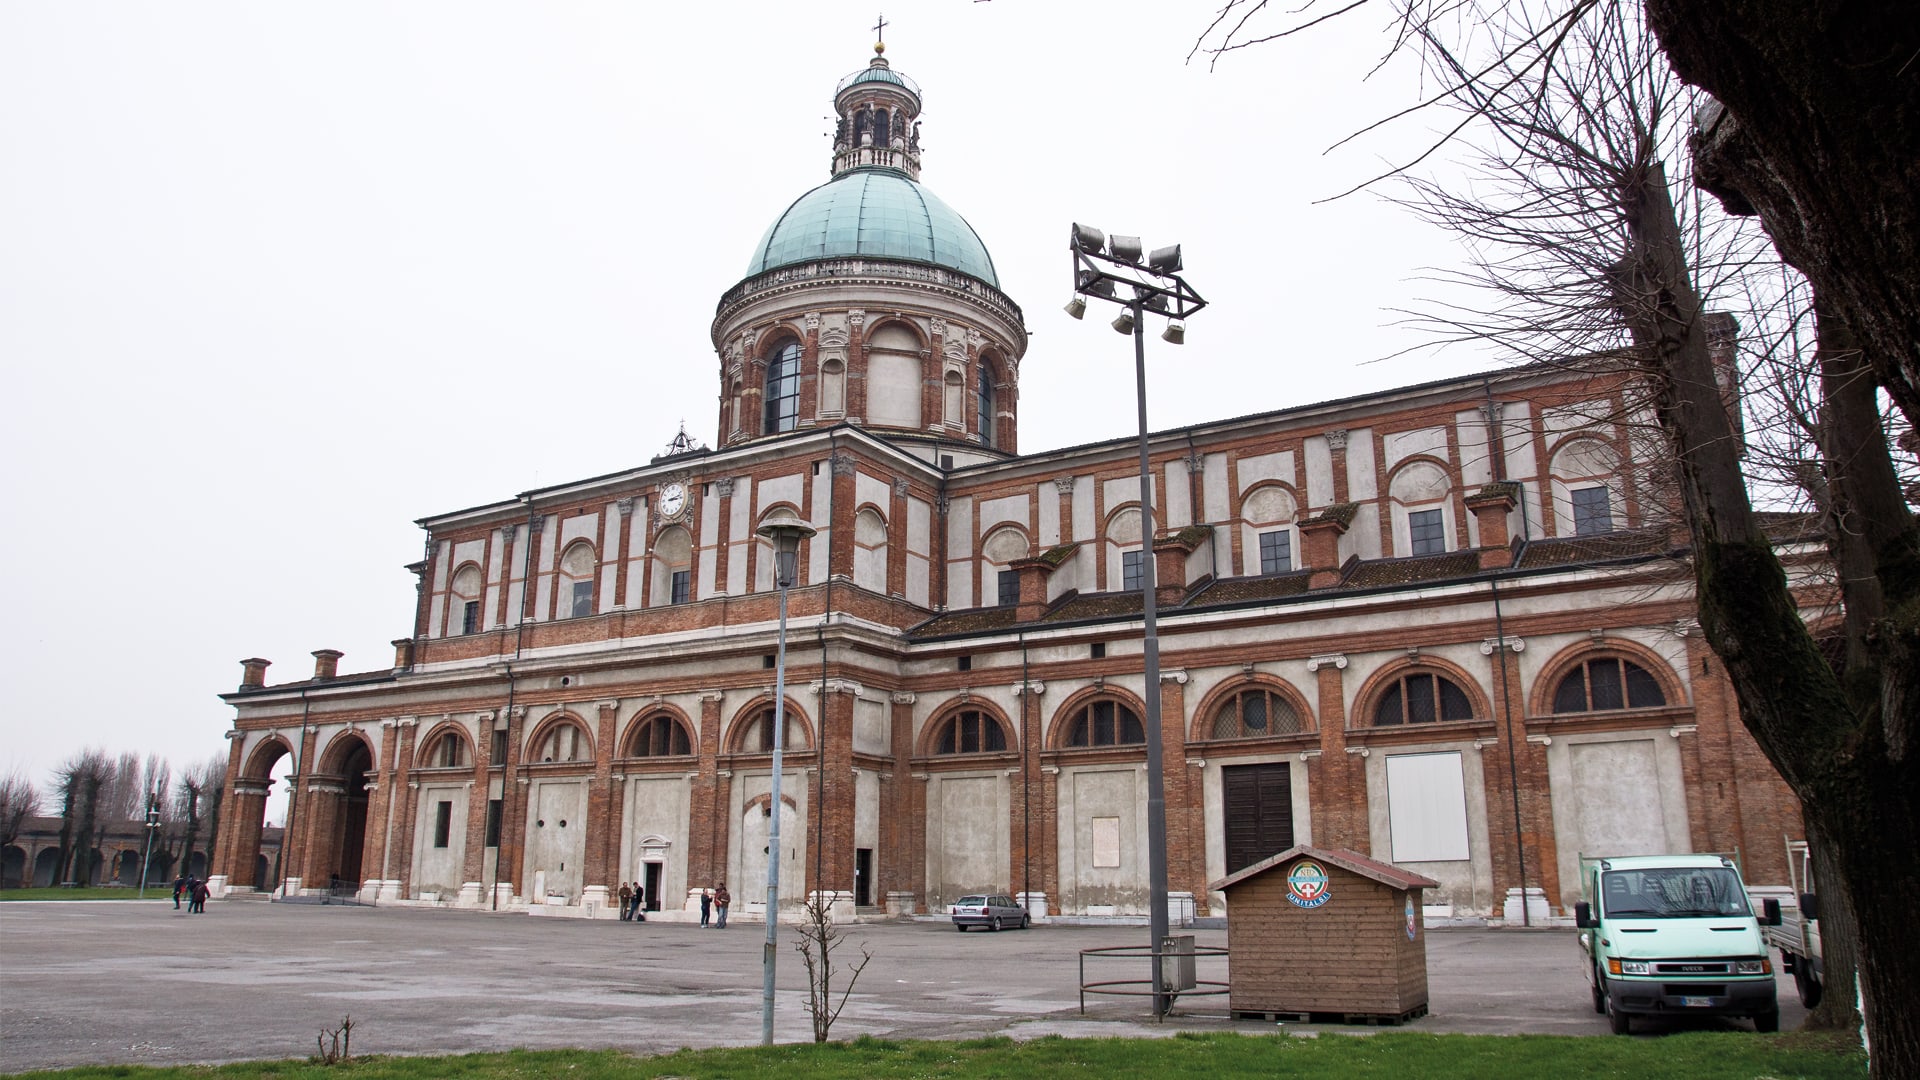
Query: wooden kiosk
x=1330 y=936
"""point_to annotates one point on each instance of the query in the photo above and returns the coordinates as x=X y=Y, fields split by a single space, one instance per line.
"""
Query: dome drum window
x=1606 y=683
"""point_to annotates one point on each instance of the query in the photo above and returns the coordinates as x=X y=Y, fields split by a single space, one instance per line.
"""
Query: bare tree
x=82 y=781
x=19 y=800
x=198 y=793
x=819 y=937
x=1589 y=213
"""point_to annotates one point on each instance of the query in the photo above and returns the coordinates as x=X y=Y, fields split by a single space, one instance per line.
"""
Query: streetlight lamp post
x=1100 y=268
x=785 y=532
x=153 y=824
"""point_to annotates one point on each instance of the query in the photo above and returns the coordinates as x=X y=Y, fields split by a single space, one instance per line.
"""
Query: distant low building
x=118 y=848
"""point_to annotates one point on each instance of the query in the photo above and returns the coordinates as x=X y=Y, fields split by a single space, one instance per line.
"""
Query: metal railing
x=1178 y=958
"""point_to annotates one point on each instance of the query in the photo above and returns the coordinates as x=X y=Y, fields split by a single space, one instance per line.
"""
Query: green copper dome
x=878 y=213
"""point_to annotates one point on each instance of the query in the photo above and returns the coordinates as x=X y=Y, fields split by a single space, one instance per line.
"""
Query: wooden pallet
x=1368 y=1019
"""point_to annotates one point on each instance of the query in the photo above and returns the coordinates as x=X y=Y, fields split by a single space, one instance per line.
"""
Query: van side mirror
x=1771 y=911
x=1809 y=905
x=1582 y=914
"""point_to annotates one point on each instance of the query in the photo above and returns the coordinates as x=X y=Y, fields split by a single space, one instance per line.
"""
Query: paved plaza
x=112 y=982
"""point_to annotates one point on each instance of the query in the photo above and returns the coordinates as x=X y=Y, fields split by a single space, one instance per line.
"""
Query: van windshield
x=1680 y=892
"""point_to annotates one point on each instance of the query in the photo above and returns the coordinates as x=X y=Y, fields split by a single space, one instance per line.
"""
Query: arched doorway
x=350 y=819
x=248 y=807
x=13 y=867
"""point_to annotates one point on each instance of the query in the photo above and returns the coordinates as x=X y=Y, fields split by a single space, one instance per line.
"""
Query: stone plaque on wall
x=1106 y=842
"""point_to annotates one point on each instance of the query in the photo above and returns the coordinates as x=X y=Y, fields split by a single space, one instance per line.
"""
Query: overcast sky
x=277 y=279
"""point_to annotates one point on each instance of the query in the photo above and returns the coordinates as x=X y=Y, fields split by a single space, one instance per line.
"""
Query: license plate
x=1696 y=1002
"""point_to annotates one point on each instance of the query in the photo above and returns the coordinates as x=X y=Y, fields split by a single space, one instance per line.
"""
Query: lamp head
x=1077 y=308
x=785 y=532
x=1127 y=249
x=1175 y=333
x=1165 y=260
x=1123 y=322
x=1088 y=239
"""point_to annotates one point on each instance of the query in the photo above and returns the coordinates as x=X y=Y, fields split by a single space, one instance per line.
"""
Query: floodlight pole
x=1157 y=287
x=1150 y=647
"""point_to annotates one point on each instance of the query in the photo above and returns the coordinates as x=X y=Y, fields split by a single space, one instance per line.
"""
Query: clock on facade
x=673 y=499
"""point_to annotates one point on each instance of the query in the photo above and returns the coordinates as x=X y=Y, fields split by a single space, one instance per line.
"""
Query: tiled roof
x=1569 y=550
x=1095 y=606
x=1237 y=590
x=383 y=675
x=1381 y=572
x=971 y=621
x=1385 y=873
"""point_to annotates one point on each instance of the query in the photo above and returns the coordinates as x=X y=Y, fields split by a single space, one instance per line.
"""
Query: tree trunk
x=1857 y=797
x=1825 y=107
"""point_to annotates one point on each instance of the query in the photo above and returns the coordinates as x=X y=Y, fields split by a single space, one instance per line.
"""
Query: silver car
x=990 y=910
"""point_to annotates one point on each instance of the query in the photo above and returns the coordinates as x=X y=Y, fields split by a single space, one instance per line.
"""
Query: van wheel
x=1767 y=1022
x=1617 y=1021
x=1805 y=982
x=1599 y=998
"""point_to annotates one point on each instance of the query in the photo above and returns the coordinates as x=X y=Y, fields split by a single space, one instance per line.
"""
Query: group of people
x=194 y=890
x=633 y=904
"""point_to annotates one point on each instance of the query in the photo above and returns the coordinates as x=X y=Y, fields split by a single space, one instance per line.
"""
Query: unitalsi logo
x=1307 y=884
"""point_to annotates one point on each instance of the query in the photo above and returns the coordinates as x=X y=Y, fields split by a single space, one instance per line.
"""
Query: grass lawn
x=154 y=892
x=1392 y=1056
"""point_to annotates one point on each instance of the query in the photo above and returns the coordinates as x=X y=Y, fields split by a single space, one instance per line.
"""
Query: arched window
x=672 y=567
x=882 y=130
x=466 y=598
x=660 y=736
x=870 y=551
x=1255 y=713
x=971 y=732
x=576 y=580
x=449 y=751
x=566 y=742
x=862 y=124
x=758 y=736
x=1584 y=472
x=1269 y=512
x=1422 y=697
x=984 y=406
x=783 y=389
x=1105 y=722
x=1607 y=682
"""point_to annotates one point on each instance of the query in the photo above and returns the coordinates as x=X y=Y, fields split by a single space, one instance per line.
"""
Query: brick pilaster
x=602 y=831
x=1336 y=780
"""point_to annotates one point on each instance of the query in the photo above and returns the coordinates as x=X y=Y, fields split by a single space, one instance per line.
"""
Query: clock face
x=673 y=499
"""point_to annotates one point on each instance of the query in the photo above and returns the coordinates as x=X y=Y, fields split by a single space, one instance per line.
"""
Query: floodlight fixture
x=1127 y=249
x=1077 y=308
x=1123 y=322
x=1175 y=333
x=1165 y=260
x=1088 y=239
x=1158 y=302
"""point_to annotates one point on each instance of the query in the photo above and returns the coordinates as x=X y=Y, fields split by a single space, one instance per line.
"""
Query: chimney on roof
x=1170 y=557
x=1490 y=507
x=402 y=654
x=1320 y=538
x=254 y=673
x=326 y=664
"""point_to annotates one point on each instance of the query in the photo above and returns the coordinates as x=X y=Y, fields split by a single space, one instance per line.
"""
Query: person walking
x=722 y=899
x=180 y=886
x=626 y=901
x=706 y=907
x=200 y=894
x=639 y=902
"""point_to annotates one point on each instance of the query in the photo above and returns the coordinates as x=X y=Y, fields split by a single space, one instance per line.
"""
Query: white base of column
x=899 y=903
x=503 y=895
x=839 y=903
x=595 y=900
x=1179 y=909
x=288 y=887
x=389 y=891
x=1035 y=903
x=217 y=886
x=469 y=895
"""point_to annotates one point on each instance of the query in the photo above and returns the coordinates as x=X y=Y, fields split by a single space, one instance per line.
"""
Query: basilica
x=1449 y=626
